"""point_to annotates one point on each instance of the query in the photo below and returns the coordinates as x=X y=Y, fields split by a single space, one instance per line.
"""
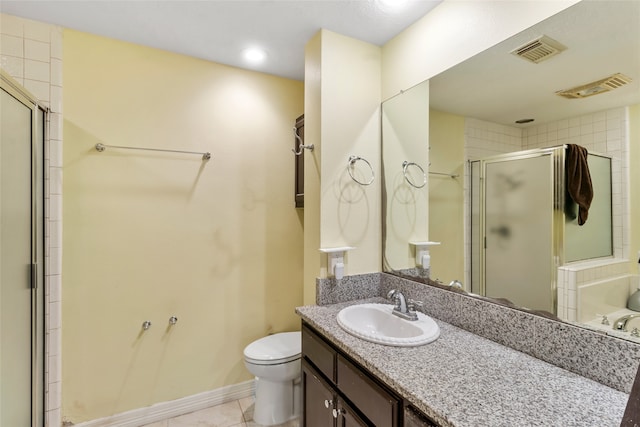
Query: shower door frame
x=557 y=215
x=39 y=136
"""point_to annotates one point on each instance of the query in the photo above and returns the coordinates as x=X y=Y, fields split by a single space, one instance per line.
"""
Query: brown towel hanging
x=579 y=186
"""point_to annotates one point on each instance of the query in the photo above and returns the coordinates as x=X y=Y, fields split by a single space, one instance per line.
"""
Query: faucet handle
x=455 y=284
x=635 y=332
x=412 y=304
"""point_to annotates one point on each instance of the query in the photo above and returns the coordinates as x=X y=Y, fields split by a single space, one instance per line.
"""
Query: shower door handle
x=34 y=275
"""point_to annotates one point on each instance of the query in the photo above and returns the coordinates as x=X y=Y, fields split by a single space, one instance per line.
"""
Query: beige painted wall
x=152 y=235
x=453 y=32
x=312 y=108
x=446 y=196
x=350 y=125
x=342 y=119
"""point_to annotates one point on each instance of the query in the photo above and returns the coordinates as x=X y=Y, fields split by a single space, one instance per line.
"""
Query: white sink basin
x=376 y=323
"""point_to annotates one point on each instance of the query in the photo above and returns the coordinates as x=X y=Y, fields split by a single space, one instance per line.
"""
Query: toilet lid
x=274 y=349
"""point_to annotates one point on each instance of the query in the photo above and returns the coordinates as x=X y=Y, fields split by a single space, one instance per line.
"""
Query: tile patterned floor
x=238 y=413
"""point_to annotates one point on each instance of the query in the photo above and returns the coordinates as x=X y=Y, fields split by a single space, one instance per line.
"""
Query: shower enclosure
x=524 y=226
x=22 y=133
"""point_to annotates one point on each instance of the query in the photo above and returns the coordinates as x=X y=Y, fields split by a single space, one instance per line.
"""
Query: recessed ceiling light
x=254 y=55
x=391 y=5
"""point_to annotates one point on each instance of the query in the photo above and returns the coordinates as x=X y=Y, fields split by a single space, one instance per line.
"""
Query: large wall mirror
x=405 y=130
x=591 y=50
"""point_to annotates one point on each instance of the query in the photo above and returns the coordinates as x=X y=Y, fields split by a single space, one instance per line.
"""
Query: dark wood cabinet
x=335 y=386
x=318 y=399
x=376 y=403
x=414 y=418
x=299 y=165
x=348 y=417
x=337 y=392
x=322 y=405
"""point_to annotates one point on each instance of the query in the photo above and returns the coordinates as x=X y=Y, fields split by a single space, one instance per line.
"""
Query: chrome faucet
x=455 y=284
x=404 y=308
x=621 y=323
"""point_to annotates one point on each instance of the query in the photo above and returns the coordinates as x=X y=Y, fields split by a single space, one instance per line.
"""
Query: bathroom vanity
x=333 y=382
x=461 y=379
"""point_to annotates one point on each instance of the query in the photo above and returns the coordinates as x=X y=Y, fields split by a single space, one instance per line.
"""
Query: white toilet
x=275 y=362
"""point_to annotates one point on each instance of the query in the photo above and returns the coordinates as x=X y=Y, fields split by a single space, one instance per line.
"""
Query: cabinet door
x=318 y=399
x=347 y=417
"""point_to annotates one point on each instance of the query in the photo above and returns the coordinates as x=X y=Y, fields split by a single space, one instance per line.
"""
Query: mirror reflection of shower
x=520 y=232
x=505 y=184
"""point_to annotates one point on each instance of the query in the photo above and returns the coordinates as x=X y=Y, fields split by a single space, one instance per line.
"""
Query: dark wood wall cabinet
x=337 y=392
x=299 y=167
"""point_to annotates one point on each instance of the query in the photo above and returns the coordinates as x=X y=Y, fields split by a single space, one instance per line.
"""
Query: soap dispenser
x=633 y=303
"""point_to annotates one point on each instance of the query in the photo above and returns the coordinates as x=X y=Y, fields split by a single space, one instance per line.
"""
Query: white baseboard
x=173 y=408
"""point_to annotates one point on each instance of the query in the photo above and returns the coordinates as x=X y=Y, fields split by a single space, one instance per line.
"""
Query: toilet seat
x=274 y=349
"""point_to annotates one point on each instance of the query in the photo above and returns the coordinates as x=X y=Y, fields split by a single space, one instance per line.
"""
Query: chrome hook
x=301 y=147
x=146 y=325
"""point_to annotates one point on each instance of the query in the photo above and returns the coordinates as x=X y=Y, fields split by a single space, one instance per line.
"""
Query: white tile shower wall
x=484 y=139
x=31 y=52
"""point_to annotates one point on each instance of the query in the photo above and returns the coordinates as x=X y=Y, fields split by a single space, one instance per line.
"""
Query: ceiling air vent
x=605 y=85
x=539 y=49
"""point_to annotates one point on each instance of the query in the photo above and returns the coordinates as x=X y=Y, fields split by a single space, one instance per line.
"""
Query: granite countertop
x=462 y=379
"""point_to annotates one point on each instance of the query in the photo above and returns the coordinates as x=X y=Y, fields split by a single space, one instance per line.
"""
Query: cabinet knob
x=328 y=403
x=338 y=412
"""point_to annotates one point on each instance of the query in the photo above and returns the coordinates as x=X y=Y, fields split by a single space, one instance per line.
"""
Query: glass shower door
x=518 y=218
x=21 y=365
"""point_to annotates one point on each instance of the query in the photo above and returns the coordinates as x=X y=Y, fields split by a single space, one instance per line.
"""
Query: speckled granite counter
x=462 y=379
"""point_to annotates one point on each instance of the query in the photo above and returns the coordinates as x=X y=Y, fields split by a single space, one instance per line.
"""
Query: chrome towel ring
x=351 y=165
x=405 y=166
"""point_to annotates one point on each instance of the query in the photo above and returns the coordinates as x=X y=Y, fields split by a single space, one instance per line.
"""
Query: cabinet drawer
x=318 y=352
x=374 y=402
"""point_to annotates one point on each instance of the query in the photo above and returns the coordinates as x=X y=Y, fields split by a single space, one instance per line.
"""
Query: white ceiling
x=602 y=38
x=218 y=30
